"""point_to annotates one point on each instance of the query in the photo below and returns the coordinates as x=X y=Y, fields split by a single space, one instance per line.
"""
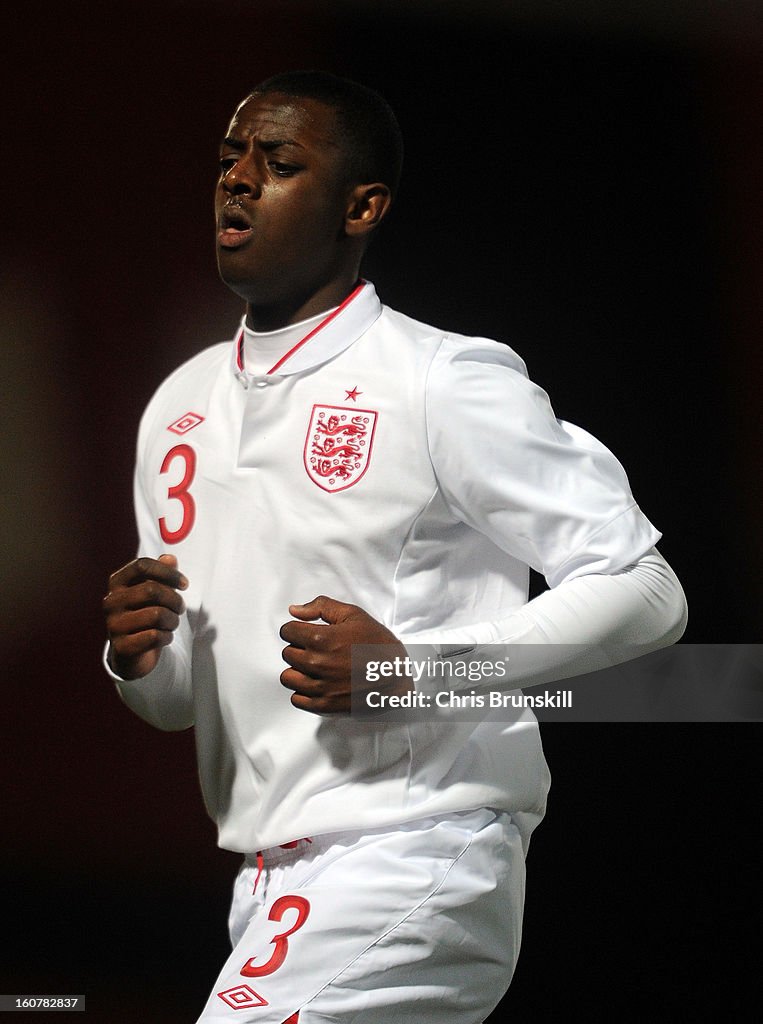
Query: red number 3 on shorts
x=281 y=941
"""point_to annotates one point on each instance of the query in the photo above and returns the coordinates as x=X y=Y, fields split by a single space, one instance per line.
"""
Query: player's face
x=281 y=201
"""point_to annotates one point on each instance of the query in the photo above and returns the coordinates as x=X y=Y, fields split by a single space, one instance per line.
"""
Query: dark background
x=583 y=182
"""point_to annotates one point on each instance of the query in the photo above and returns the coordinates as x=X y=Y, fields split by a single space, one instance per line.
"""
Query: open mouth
x=234 y=231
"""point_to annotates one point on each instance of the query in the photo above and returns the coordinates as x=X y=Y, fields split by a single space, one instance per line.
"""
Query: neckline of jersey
x=330 y=318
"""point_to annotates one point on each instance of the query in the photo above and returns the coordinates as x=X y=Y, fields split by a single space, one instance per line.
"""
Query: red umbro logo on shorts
x=187 y=422
x=338 y=445
x=242 y=997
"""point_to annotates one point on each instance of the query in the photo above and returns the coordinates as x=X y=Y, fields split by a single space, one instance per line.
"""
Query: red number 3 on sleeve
x=180 y=493
x=281 y=941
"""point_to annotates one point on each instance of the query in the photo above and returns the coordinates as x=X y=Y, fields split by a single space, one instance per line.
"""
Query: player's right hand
x=143 y=609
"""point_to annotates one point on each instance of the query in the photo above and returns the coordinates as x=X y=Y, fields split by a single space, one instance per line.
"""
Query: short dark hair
x=369 y=128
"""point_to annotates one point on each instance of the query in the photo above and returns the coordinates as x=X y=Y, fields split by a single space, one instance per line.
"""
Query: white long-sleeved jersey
x=412 y=472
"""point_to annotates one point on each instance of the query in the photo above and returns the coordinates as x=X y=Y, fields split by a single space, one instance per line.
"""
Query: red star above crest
x=353 y=394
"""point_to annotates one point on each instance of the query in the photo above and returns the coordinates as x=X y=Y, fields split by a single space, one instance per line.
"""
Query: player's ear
x=367 y=207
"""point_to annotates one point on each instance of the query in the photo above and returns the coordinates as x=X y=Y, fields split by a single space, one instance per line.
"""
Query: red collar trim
x=327 y=320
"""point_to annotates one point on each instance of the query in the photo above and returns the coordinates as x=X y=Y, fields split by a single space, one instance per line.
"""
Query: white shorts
x=420 y=924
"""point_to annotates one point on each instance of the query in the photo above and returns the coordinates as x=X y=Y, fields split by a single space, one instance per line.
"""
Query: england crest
x=338 y=445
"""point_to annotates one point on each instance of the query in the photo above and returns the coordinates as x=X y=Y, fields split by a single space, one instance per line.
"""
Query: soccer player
x=340 y=475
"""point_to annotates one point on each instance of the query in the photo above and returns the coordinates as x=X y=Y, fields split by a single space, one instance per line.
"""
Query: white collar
x=336 y=332
x=262 y=349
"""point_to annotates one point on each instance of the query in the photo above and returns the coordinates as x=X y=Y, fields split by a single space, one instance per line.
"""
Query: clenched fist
x=143 y=609
x=320 y=657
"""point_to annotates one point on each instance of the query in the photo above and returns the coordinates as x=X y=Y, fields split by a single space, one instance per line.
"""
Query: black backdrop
x=580 y=185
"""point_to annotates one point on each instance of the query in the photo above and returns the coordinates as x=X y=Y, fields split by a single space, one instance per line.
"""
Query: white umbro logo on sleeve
x=187 y=422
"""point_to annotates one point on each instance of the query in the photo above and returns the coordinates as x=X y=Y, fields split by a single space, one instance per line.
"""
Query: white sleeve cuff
x=163 y=698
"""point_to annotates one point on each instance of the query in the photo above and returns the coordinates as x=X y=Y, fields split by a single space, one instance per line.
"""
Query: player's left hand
x=320 y=657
